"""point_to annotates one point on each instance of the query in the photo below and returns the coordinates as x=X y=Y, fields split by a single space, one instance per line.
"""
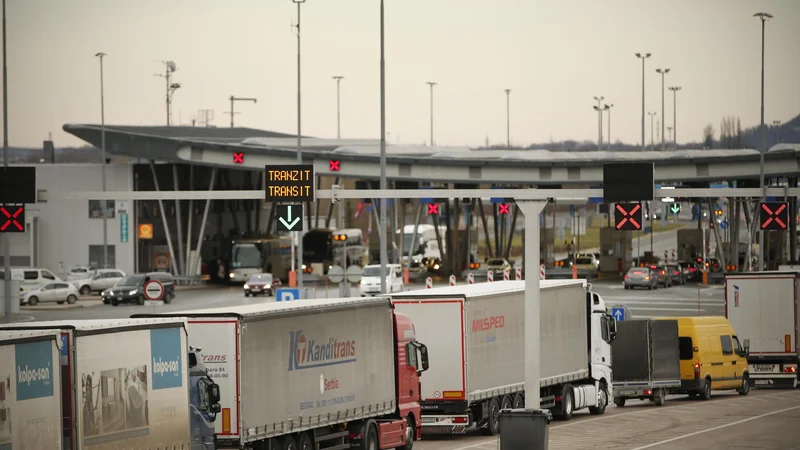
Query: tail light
x=792 y=369
x=627 y=277
x=662 y=272
x=459 y=420
x=648 y=392
x=646 y=277
x=697 y=370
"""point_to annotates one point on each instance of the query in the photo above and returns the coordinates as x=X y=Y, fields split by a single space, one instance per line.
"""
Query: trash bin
x=524 y=429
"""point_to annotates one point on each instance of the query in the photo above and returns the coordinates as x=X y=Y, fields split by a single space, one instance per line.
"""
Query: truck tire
x=305 y=442
x=506 y=402
x=411 y=434
x=567 y=405
x=659 y=397
x=493 y=420
x=289 y=443
x=745 y=389
x=602 y=399
x=619 y=401
x=705 y=393
x=370 y=438
x=519 y=401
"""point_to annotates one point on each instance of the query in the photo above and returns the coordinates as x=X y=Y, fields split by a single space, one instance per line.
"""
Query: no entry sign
x=154 y=290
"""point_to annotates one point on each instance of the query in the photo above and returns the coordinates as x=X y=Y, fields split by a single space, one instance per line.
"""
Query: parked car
x=80 y=272
x=498 y=266
x=660 y=272
x=640 y=277
x=58 y=292
x=676 y=274
x=99 y=282
x=131 y=288
x=260 y=284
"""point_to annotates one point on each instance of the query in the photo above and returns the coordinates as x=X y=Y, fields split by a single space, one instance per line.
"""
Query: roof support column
x=720 y=250
x=511 y=232
x=178 y=220
x=187 y=264
x=173 y=264
x=485 y=228
x=197 y=257
x=339 y=208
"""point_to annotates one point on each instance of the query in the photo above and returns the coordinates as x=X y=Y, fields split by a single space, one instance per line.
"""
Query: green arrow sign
x=675 y=208
x=290 y=217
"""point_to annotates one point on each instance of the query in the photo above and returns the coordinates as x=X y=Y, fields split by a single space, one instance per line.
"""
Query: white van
x=31 y=278
x=371 y=279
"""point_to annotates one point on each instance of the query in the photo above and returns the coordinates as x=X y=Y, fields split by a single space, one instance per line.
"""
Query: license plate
x=429 y=420
x=764 y=368
x=119 y=298
x=628 y=392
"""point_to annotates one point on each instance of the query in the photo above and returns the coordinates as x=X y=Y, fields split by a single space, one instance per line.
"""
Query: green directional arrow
x=675 y=208
x=288 y=222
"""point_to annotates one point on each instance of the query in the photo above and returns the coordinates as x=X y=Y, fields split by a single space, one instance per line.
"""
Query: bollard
x=489 y=276
x=471 y=278
x=429 y=283
x=574 y=273
x=292 y=278
x=452 y=280
x=506 y=274
x=518 y=273
x=542 y=272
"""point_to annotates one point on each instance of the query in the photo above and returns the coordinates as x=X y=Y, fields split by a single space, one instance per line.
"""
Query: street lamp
x=776 y=124
x=101 y=55
x=338 y=79
x=764 y=17
x=643 y=57
x=508 y=118
x=237 y=99
x=383 y=238
x=299 y=235
x=663 y=72
x=675 y=90
x=599 y=110
x=6 y=236
x=431 y=84
x=608 y=138
x=652 y=115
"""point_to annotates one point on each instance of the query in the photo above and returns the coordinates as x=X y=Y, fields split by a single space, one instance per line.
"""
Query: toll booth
x=616 y=250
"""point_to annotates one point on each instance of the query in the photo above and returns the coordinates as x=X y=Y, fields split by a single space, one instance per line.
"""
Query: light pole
x=101 y=55
x=431 y=84
x=643 y=57
x=6 y=236
x=652 y=115
x=338 y=79
x=299 y=235
x=238 y=99
x=669 y=130
x=675 y=90
x=776 y=124
x=764 y=17
x=508 y=118
x=663 y=72
x=171 y=87
x=384 y=202
x=599 y=110
x=608 y=138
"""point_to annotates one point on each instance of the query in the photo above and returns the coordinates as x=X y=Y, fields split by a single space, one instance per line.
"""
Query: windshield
x=496 y=262
x=372 y=271
x=261 y=278
x=132 y=280
x=246 y=256
x=583 y=261
x=407 y=242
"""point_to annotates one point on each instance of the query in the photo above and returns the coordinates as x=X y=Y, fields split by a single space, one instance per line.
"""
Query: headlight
x=363 y=282
x=133 y=292
x=246 y=286
x=232 y=275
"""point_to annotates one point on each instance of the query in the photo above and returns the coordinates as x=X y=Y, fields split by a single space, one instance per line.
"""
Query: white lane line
x=666 y=441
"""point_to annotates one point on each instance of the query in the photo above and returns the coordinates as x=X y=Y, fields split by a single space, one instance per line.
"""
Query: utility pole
x=608 y=139
x=431 y=84
x=663 y=72
x=104 y=203
x=338 y=112
x=239 y=99
x=643 y=57
x=384 y=256
x=508 y=118
x=299 y=235
x=171 y=87
x=652 y=115
x=764 y=17
x=6 y=236
x=675 y=90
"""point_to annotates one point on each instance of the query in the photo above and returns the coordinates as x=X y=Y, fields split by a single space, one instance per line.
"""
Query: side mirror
x=423 y=352
x=213 y=393
x=215 y=408
x=746 y=345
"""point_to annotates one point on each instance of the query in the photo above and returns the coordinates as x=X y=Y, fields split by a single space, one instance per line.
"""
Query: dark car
x=660 y=272
x=640 y=277
x=260 y=284
x=131 y=288
x=690 y=270
x=676 y=273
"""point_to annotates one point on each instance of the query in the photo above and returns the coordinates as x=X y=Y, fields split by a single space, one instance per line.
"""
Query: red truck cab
x=412 y=360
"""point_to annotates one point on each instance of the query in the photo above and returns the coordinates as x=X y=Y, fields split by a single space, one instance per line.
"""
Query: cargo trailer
x=30 y=390
x=333 y=373
x=762 y=308
x=475 y=335
x=125 y=383
x=646 y=360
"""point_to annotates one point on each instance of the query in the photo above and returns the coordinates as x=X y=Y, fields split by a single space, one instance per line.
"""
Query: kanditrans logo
x=307 y=353
x=166 y=358
x=34 y=364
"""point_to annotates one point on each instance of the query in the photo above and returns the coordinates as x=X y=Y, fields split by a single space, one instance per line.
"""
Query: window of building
x=96 y=209
x=96 y=256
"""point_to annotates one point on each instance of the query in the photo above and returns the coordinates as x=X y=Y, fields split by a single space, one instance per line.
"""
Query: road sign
x=145 y=231
x=286 y=183
x=12 y=219
x=628 y=182
x=154 y=290
x=675 y=208
x=334 y=165
x=618 y=313
x=18 y=185
x=287 y=294
x=774 y=215
x=238 y=157
x=123 y=228
x=354 y=274
x=290 y=217
x=628 y=216
x=336 y=274
x=723 y=224
x=433 y=209
x=503 y=208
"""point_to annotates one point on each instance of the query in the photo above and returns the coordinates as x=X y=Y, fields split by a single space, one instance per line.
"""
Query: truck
x=475 y=335
x=30 y=391
x=327 y=373
x=762 y=308
x=126 y=384
x=646 y=360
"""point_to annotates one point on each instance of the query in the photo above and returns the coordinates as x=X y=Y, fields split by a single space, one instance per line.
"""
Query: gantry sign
x=627 y=185
x=17 y=188
x=293 y=184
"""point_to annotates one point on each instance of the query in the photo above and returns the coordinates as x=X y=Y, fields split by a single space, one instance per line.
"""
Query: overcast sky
x=554 y=56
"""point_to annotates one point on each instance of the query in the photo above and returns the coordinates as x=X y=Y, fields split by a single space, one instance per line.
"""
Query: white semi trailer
x=475 y=335
x=30 y=390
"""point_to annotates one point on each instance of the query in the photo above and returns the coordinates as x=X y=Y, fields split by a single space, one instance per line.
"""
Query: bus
x=317 y=251
x=268 y=254
x=354 y=242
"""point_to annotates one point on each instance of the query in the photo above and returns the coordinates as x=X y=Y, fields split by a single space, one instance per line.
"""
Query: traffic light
x=628 y=216
x=774 y=215
x=12 y=219
x=433 y=209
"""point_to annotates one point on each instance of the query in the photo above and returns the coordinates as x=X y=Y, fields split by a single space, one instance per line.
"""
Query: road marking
x=719 y=427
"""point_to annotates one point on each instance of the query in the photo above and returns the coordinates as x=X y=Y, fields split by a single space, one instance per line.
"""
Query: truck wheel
x=411 y=434
x=288 y=443
x=602 y=401
x=659 y=397
x=506 y=403
x=745 y=389
x=370 y=439
x=619 y=401
x=493 y=422
x=519 y=401
x=705 y=394
x=305 y=442
x=566 y=403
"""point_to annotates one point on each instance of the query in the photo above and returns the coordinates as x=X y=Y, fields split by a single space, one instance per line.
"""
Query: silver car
x=641 y=277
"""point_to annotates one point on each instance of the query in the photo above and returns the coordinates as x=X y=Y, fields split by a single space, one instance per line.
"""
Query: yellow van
x=712 y=358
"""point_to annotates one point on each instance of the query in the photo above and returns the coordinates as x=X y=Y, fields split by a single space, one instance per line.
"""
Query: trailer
x=762 y=308
x=646 y=360
x=30 y=391
x=125 y=383
x=332 y=374
x=476 y=337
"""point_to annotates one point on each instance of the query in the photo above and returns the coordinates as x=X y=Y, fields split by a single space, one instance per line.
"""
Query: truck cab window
x=685 y=348
x=411 y=356
x=604 y=329
x=737 y=347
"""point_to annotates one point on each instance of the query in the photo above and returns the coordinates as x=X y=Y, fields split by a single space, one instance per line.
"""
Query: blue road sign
x=724 y=224
x=497 y=200
x=123 y=228
x=618 y=313
x=287 y=294
x=572 y=210
x=426 y=200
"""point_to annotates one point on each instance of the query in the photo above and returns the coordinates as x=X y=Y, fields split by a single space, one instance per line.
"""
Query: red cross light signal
x=503 y=208
x=774 y=215
x=628 y=216
x=433 y=209
x=12 y=222
x=238 y=157
x=334 y=165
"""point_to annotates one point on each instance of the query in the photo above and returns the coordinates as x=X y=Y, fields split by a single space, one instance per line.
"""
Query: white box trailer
x=762 y=308
x=125 y=383
x=311 y=371
x=30 y=390
x=475 y=334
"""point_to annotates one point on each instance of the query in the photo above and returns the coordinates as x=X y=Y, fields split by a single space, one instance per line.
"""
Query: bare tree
x=708 y=136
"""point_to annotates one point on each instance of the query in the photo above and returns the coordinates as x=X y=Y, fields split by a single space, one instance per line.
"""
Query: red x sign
x=628 y=216
x=774 y=215
x=503 y=208
x=13 y=222
x=238 y=157
x=433 y=209
x=333 y=165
